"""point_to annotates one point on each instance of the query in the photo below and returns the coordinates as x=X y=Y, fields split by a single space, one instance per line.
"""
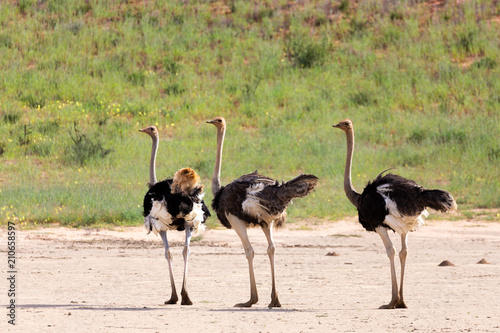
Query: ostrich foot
x=275 y=303
x=395 y=304
x=185 y=298
x=247 y=304
x=401 y=305
x=388 y=306
x=173 y=299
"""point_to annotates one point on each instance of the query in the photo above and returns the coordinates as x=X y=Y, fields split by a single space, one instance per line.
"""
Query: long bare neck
x=221 y=131
x=350 y=192
x=152 y=161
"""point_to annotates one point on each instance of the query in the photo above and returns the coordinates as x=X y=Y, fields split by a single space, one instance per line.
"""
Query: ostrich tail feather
x=298 y=187
x=438 y=200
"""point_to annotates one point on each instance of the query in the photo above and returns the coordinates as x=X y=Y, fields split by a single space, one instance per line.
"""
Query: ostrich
x=391 y=202
x=254 y=199
x=174 y=204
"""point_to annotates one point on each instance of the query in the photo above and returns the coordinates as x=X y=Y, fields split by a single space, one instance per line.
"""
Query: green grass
x=80 y=78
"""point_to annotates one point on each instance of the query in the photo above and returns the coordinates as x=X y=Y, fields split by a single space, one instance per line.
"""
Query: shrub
x=24 y=138
x=394 y=16
x=466 y=41
x=417 y=136
x=344 y=6
x=451 y=136
x=174 y=89
x=11 y=118
x=137 y=78
x=358 y=26
x=84 y=148
x=48 y=127
x=487 y=63
x=259 y=13
x=32 y=102
x=362 y=98
x=171 y=66
x=305 y=52
x=25 y=5
x=5 y=41
x=493 y=154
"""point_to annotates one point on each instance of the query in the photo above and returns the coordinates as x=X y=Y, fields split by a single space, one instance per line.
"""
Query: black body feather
x=275 y=197
x=410 y=198
x=177 y=203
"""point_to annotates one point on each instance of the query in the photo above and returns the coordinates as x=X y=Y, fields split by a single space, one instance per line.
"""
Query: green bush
x=486 y=62
x=84 y=148
x=305 y=52
x=11 y=117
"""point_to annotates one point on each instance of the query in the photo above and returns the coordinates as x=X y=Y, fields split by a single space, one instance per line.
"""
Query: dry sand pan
x=73 y=280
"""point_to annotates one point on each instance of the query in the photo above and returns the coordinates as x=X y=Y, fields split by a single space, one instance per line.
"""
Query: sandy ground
x=72 y=280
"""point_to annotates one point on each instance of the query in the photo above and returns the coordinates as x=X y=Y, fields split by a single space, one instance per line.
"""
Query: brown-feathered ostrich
x=394 y=203
x=174 y=204
x=254 y=199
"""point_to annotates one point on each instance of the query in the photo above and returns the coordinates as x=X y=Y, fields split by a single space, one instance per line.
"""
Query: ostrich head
x=219 y=122
x=152 y=131
x=345 y=125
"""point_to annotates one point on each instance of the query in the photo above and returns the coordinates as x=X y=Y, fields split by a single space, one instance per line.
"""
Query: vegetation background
x=419 y=79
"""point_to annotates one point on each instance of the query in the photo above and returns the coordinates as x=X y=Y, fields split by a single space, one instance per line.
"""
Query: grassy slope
x=420 y=83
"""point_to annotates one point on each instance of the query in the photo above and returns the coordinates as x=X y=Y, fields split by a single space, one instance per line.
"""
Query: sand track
x=72 y=280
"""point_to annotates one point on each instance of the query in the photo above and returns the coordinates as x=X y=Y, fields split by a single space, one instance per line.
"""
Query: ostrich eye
x=219 y=120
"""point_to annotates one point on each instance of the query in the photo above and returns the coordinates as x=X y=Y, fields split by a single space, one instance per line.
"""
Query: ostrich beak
x=210 y=121
x=336 y=125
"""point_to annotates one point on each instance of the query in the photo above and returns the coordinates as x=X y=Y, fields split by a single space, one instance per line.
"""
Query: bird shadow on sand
x=235 y=309
x=88 y=307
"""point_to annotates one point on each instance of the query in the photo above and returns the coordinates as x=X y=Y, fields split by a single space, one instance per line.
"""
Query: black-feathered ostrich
x=254 y=199
x=391 y=202
x=174 y=204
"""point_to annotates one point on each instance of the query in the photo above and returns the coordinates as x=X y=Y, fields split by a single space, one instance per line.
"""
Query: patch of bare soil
x=331 y=277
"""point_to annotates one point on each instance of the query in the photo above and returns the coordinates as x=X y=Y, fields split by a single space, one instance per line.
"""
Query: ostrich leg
x=270 y=251
x=185 y=254
x=402 y=258
x=241 y=229
x=391 y=253
x=168 y=255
